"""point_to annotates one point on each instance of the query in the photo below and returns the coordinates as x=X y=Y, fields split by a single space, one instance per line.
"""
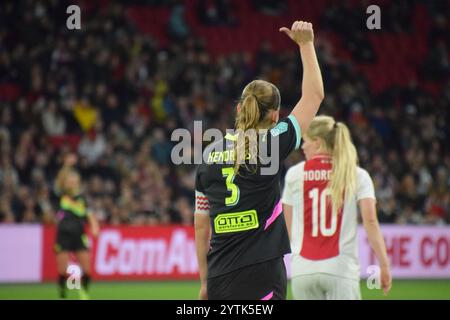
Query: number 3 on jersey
x=229 y=175
x=322 y=208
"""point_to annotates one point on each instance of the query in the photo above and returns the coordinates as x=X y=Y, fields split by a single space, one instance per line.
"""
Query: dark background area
x=114 y=91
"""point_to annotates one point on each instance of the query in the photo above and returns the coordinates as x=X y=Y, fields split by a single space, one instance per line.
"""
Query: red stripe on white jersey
x=322 y=229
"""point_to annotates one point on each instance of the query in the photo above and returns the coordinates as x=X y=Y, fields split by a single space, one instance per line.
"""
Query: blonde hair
x=257 y=99
x=69 y=190
x=336 y=140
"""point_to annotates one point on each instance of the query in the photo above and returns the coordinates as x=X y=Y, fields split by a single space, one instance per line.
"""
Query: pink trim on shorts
x=275 y=213
x=268 y=297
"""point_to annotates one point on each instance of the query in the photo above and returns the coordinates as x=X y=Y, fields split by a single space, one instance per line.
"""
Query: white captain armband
x=201 y=203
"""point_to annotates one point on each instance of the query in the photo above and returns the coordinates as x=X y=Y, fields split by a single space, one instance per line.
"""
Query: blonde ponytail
x=336 y=141
x=247 y=118
x=343 y=174
x=258 y=98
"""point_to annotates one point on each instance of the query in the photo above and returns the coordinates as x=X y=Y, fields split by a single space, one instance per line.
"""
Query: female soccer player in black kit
x=240 y=233
x=70 y=237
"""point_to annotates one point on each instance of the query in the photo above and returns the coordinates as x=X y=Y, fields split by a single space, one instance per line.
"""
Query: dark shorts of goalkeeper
x=71 y=242
x=263 y=281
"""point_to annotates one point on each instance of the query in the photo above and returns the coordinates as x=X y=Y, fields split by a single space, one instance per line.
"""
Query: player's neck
x=321 y=155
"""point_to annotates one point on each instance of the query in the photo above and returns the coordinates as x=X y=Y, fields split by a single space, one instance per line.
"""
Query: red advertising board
x=168 y=253
x=134 y=253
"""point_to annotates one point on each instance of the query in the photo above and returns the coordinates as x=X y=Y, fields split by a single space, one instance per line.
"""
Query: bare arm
x=202 y=237
x=93 y=224
x=59 y=181
x=287 y=209
x=312 y=85
x=376 y=240
x=69 y=162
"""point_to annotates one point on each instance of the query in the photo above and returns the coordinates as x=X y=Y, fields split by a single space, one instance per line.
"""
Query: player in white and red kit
x=322 y=223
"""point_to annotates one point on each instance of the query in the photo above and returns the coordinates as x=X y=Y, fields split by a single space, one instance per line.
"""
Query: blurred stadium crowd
x=113 y=95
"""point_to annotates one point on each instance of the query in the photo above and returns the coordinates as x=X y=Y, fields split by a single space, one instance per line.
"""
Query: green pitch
x=186 y=290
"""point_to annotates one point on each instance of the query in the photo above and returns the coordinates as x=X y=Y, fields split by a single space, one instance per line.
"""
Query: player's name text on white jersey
x=317 y=175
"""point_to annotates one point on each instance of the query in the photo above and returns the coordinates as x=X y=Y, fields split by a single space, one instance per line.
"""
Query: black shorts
x=263 y=281
x=71 y=242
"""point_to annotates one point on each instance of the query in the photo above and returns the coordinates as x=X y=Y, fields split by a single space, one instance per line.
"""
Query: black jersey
x=72 y=215
x=245 y=209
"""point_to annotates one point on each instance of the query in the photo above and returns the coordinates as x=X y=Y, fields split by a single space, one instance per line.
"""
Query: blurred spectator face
x=43 y=192
x=442 y=176
x=185 y=210
x=38 y=176
x=42 y=159
x=84 y=103
x=8 y=182
x=152 y=220
x=101 y=90
x=6 y=162
x=6 y=116
x=409 y=185
x=378 y=163
x=112 y=101
x=5 y=209
x=159 y=136
x=109 y=187
x=52 y=106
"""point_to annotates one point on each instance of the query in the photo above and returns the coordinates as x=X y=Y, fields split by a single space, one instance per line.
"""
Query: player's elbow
x=370 y=219
x=314 y=98
x=316 y=92
x=370 y=222
x=368 y=212
x=201 y=223
x=319 y=95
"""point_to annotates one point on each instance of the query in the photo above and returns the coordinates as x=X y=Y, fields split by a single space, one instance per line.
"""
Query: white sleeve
x=201 y=203
x=288 y=190
x=365 y=187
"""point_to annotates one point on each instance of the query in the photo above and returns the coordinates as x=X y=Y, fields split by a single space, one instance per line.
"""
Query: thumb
x=285 y=30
